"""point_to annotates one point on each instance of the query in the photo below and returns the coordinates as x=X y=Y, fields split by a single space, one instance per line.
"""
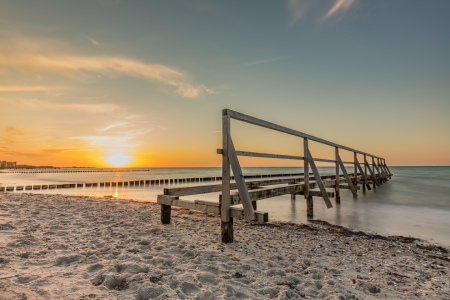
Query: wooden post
x=226 y=220
x=309 y=207
x=306 y=167
x=385 y=171
x=389 y=171
x=337 y=192
x=363 y=175
x=165 y=213
x=255 y=205
x=309 y=200
x=226 y=231
x=366 y=165
x=355 y=169
x=375 y=167
x=293 y=197
x=383 y=174
x=365 y=170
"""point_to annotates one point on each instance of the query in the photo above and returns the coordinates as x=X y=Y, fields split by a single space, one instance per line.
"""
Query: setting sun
x=118 y=159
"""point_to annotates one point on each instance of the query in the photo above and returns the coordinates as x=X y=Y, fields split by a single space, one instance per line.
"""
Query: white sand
x=60 y=247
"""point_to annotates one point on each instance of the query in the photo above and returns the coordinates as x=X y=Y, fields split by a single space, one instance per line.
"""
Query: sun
x=118 y=159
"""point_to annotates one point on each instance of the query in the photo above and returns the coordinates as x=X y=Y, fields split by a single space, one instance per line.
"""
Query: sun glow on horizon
x=118 y=159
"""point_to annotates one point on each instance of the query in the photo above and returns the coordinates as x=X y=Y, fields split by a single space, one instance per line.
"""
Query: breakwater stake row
x=153 y=182
x=77 y=171
x=371 y=171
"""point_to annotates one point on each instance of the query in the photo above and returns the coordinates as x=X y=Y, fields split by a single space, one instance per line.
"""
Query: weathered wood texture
x=375 y=183
x=269 y=125
x=365 y=180
x=226 y=231
x=299 y=189
x=165 y=213
x=336 y=189
x=208 y=207
x=309 y=207
x=306 y=166
x=205 y=189
x=242 y=187
x=319 y=180
x=267 y=155
x=347 y=178
x=279 y=156
x=225 y=210
x=256 y=184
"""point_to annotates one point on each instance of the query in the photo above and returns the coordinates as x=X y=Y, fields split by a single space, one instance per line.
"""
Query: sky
x=103 y=83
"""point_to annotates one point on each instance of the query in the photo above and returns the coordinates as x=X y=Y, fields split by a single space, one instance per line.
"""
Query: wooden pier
x=248 y=193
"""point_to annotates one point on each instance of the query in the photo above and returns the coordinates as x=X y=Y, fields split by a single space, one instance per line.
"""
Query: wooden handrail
x=255 y=121
x=281 y=156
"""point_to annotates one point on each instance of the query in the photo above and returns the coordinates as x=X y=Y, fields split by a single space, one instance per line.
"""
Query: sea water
x=415 y=202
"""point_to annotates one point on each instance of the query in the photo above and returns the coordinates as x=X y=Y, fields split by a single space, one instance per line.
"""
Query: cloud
x=296 y=10
x=263 y=61
x=300 y=8
x=94 y=42
x=91 y=108
x=13 y=134
x=14 y=130
x=118 y=135
x=340 y=6
x=18 y=88
x=115 y=125
x=106 y=65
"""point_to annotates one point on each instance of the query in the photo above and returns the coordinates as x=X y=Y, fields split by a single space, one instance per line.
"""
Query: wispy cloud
x=91 y=108
x=37 y=88
x=297 y=10
x=27 y=57
x=268 y=60
x=13 y=134
x=300 y=8
x=340 y=6
x=115 y=125
x=94 y=42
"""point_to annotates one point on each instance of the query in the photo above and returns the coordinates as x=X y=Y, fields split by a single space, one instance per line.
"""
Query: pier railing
x=379 y=170
x=250 y=192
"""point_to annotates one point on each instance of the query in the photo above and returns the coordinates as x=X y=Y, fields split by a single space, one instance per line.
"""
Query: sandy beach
x=63 y=247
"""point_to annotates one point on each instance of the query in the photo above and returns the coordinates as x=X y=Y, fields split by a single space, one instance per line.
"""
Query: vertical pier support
x=355 y=159
x=293 y=197
x=337 y=195
x=337 y=191
x=226 y=225
x=255 y=205
x=309 y=202
x=309 y=207
x=365 y=174
x=165 y=213
x=226 y=231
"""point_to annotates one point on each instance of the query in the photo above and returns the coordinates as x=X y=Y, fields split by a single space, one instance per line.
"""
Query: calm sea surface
x=416 y=202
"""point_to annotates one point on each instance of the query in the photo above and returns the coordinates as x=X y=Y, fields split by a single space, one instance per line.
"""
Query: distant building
x=11 y=164
x=7 y=164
